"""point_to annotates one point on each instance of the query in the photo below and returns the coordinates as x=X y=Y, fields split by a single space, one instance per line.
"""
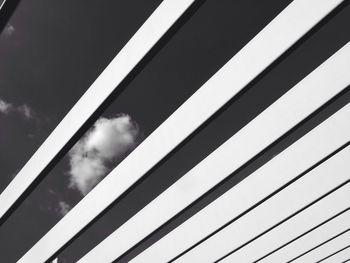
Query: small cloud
x=9 y=30
x=51 y=191
x=31 y=135
x=54 y=203
x=99 y=150
x=26 y=111
x=5 y=107
x=23 y=110
x=63 y=208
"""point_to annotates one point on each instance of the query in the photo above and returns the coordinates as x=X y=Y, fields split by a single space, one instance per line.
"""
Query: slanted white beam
x=297 y=19
x=307 y=189
x=340 y=257
x=125 y=61
x=2 y=4
x=326 y=249
x=311 y=240
x=292 y=228
x=285 y=113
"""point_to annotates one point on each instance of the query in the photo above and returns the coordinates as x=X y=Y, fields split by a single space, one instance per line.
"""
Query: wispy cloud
x=23 y=110
x=99 y=150
x=26 y=111
x=5 y=107
x=63 y=208
x=55 y=203
x=9 y=30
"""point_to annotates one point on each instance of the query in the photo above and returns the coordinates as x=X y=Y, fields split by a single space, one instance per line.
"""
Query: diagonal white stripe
x=138 y=46
x=311 y=240
x=293 y=161
x=2 y=4
x=297 y=19
x=267 y=127
x=222 y=163
x=326 y=249
x=296 y=196
x=292 y=228
x=340 y=257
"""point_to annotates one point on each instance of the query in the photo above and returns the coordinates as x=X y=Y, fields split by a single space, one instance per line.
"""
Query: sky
x=51 y=52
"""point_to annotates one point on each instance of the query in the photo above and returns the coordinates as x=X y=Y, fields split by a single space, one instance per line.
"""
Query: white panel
x=266 y=47
x=138 y=46
x=340 y=257
x=326 y=249
x=244 y=145
x=294 y=227
x=2 y=4
x=296 y=196
x=315 y=238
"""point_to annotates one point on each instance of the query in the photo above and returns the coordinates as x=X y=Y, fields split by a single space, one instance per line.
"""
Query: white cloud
x=54 y=203
x=9 y=30
x=23 y=110
x=105 y=144
x=63 y=208
x=5 y=107
x=26 y=111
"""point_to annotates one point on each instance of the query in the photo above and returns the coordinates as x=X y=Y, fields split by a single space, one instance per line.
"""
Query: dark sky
x=51 y=51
